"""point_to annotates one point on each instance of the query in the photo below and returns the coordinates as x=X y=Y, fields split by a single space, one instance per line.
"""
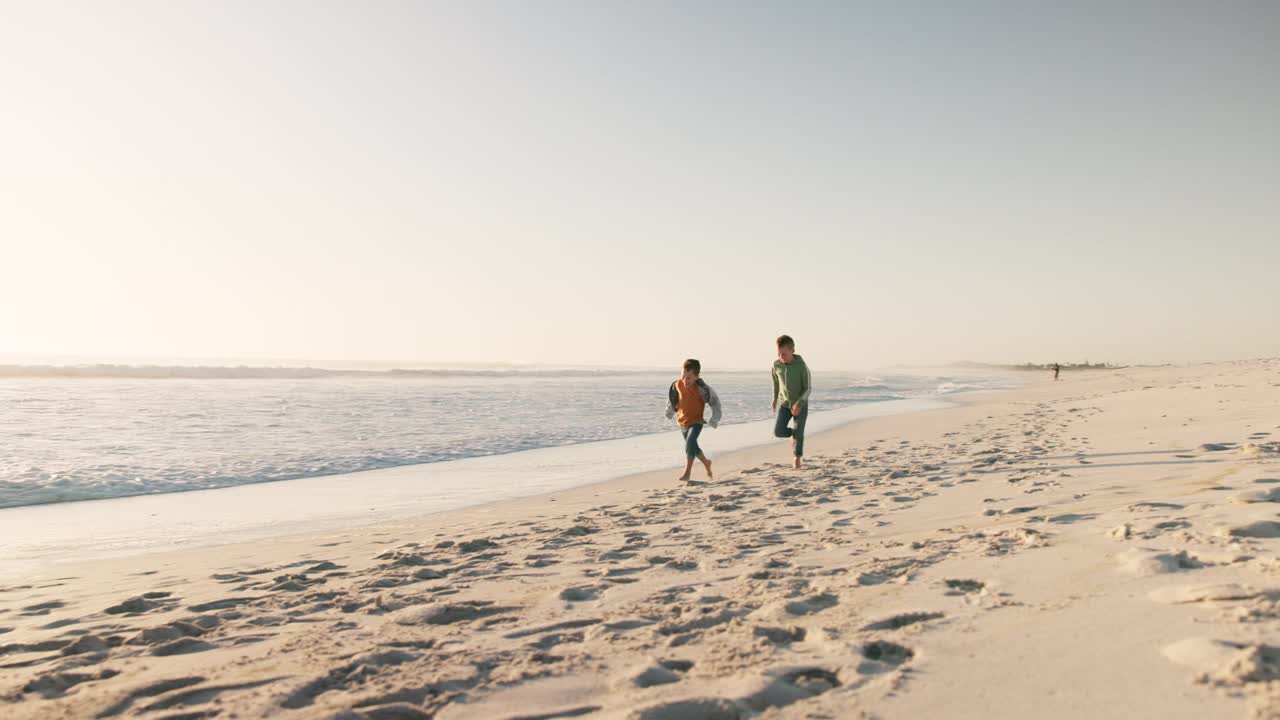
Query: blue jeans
x=691 y=433
x=781 y=430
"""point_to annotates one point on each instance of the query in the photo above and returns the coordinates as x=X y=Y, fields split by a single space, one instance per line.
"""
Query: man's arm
x=773 y=374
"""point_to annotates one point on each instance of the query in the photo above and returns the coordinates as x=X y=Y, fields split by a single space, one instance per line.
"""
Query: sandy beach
x=1106 y=546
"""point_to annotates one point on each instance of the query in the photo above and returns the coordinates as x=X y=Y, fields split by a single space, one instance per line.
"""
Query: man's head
x=692 y=369
x=786 y=348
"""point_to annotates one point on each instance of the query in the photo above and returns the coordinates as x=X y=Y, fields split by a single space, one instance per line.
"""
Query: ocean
x=70 y=439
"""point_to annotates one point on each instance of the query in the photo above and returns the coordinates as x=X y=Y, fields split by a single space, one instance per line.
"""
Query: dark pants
x=691 y=433
x=781 y=430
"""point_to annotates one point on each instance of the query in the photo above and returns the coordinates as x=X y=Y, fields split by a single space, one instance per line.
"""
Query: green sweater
x=791 y=383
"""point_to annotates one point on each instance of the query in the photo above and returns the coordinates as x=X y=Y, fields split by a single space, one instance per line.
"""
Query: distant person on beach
x=791 y=387
x=687 y=399
x=1056 y=369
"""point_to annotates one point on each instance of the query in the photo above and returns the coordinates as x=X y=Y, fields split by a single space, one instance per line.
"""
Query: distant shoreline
x=216 y=372
x=294 y=372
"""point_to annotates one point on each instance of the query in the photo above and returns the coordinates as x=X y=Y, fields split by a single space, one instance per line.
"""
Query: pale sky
x=631 y=183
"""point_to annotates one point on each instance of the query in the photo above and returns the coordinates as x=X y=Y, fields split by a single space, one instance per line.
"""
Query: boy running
x=687 y=398
x=791 y=387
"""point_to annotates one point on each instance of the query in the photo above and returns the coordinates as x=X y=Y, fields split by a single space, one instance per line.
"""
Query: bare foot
x=707 y=464
x=683 y=478
x=797 y=464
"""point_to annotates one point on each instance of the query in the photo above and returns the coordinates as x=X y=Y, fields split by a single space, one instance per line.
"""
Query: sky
x=621 y=183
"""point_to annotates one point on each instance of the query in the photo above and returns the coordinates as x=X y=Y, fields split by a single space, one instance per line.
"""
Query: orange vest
x=689 y=409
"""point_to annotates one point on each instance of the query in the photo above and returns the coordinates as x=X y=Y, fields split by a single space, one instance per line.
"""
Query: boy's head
x=692 y=369
x=786 y=348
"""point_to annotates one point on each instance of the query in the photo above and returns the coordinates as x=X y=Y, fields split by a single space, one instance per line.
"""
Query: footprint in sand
x=176 y=630
x=612 y=555
x=660 y=672
x=1267 y=449
x=566 y=625
x=1266 y=495
x=1142 y=562
x=201 y=696
x=56 y=684
x=473 y=546
x=780 y=635
x=91 y=645
x=963 y=587
x=902 y=620
x=142 y=604
x=582 y=593
x=182 y=646
x=401 y=711
x=449 y=613
x=1020 y=510
x=695 y=709
x=1154 y=506
x=43 y=608
x=777 y=689
x=785 y=686
x=1229 y=664
x=1187 y=594
x=394 y=558
x=551 y=640
x=881 y=656
x=344 y=676
x=223 y=604
x=1069 y=518
x=147 y=691
x=684 y=627
x=1260 y=529
x=810 y=605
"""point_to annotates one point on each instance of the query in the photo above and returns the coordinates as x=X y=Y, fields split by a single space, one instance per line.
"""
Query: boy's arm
x=714 y=401
x=808 y=387
x=671 y=401
x=773 y=374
